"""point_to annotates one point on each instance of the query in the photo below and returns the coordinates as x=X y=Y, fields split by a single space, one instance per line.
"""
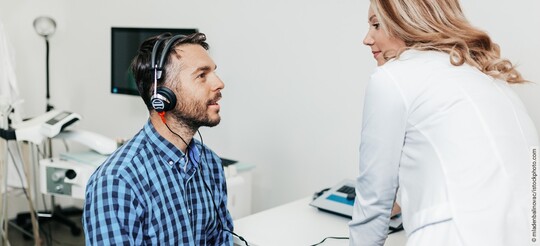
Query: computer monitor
x=125 y=42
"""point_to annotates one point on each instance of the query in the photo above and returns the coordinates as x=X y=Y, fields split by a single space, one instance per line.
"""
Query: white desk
x=298 y=224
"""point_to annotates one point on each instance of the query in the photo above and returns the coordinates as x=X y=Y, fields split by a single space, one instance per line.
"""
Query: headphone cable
x=212 y=194
x=328 y=238
x=162 y=114
x=203 y=153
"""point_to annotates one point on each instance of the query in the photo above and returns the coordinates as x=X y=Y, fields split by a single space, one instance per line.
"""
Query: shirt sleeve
x=383 y=133
x=112 y=213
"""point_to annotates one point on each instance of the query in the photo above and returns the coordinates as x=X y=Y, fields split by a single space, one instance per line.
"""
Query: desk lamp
x=45 y=27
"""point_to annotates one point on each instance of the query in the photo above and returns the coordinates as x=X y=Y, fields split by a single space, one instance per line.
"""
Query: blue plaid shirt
x=144 y=194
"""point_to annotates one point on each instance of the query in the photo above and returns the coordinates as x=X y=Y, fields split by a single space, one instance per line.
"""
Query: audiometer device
x=339 y=200
x=58 y=122
x=65 y=177
x=35 y=130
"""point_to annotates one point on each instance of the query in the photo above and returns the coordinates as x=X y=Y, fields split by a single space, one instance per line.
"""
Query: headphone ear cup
x=164 y=100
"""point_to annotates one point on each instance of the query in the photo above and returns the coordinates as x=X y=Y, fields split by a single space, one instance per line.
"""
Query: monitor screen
x=125 y=42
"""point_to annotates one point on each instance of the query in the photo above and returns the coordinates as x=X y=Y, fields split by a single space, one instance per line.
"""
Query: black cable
x=203 y=153
x=396 y=229
x=319 y=193
x=329 y=238
x=212 y=195
x=187 y=145
x=392 y=230
x=219 y=217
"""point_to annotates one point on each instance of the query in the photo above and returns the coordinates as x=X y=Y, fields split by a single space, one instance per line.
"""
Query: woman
x=441 y=123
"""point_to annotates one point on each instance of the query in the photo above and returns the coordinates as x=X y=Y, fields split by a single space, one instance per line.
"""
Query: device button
x=71 y=174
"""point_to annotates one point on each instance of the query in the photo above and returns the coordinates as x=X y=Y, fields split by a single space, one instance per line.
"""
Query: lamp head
x=44 y=26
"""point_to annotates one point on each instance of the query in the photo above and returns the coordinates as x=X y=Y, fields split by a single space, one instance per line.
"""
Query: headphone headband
x=163 y=99
x=158 y=68
x=154 y=52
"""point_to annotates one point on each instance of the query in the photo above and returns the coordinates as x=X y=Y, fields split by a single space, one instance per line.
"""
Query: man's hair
x=141 y=67
x=441 y=25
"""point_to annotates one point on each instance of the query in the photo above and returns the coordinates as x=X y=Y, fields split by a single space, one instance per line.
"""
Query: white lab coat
x=9 y=92
x=9 y=99
x=458 y=144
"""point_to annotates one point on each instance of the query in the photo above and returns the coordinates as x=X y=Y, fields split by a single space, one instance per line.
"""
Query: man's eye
x=202 y=75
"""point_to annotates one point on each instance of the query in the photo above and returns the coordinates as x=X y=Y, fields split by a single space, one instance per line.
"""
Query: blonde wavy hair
x=441 y=25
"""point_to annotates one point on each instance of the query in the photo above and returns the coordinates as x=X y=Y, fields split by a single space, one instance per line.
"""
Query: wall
x=295 y=73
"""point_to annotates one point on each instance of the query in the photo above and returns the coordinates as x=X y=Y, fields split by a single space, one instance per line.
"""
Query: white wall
x=295 y=73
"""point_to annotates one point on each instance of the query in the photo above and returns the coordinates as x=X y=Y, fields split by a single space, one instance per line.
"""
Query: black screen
x=125 y=42
x=58 y=118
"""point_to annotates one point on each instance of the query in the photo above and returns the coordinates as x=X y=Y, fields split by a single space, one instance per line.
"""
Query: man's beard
x=194 y=114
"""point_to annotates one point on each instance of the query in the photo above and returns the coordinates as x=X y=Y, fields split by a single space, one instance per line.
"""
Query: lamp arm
x=48 y=96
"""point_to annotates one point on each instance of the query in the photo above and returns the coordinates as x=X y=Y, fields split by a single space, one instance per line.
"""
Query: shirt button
x=171 y=162
x=189 y=211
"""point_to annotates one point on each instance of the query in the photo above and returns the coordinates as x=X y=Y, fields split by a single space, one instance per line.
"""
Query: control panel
x=61 y=177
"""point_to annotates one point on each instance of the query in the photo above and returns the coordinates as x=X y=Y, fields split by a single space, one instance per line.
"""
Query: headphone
x=163 y=98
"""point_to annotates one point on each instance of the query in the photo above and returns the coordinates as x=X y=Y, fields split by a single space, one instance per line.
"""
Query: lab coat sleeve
x=383 y=133
x=8 y=83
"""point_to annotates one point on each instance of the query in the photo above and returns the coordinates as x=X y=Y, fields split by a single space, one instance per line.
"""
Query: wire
x=42 y=154
x=186 y=155
x=176 y=134
x=65 y=145
x=212 y=195
x=48 y=236
x=392 y=230
x=19 y=173
x=203 y=153
x=329 y=238
x=319 y=193
x=396 y=229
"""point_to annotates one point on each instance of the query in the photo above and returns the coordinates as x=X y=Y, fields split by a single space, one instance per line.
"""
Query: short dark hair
x=141 y=65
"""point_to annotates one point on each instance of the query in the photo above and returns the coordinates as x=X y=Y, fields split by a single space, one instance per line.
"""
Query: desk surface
x=298 y=223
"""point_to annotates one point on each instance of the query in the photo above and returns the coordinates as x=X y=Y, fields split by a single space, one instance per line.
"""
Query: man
x=163 y=187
